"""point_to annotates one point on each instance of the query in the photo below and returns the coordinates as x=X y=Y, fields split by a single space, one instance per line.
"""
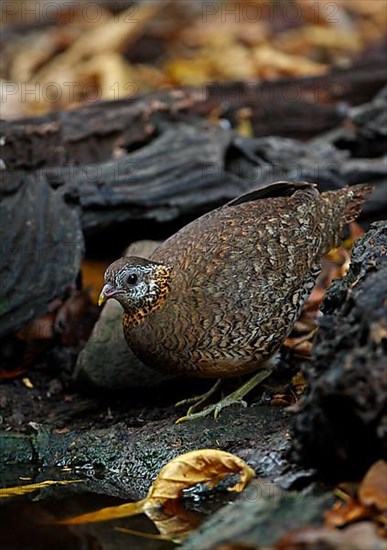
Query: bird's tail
x=343 y=206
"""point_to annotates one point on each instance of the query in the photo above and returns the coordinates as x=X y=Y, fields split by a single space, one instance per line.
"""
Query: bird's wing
x=241 y=262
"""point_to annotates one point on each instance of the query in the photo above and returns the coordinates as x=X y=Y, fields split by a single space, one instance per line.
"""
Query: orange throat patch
x=152 y=302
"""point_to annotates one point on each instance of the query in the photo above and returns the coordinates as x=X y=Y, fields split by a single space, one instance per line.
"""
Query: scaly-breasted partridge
x=219 y=297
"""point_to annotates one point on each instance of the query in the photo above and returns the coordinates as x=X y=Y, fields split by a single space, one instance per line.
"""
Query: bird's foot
x=197 y=400
x=235 y=397
x=214 y=408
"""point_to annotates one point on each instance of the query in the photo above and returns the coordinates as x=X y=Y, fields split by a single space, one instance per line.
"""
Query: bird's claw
x=226 y=402
x=198 y=400
x=215 y=408
x=235 y=397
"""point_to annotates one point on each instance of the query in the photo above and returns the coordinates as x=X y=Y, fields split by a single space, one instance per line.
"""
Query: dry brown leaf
x=271 y=62
x=111 y=75
x=360 y=536
x=373 y=488
x=40 y=51
x=110 y=36
x=330 y=37
x=343 y=513
x=283 y=400
x=189 y=72
x=231 y=62
x=207 y=466
x=8 y=492
x=202 y=46
x=371 y=501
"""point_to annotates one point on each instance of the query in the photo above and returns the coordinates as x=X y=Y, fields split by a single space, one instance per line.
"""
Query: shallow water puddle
x=27 y=524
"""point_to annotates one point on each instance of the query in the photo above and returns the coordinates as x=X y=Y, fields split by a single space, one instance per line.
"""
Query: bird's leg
x=197 y=400
x=234 y=397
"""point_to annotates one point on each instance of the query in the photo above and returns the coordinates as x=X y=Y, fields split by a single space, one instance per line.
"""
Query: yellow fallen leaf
x=8 y=492
x=207 y=466
x=107 y=514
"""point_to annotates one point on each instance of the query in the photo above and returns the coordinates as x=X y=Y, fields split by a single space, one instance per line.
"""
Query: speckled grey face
x=135 y=283
x=131 y=282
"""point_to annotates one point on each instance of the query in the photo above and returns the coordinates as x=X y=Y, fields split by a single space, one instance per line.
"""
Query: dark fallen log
x=208 y=165
x=342 y=427
x=41 y=247
x=294 y=107
x=189 y=168
x=259 y=518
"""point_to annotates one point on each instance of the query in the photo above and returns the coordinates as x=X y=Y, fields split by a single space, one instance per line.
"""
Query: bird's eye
x=132 y=279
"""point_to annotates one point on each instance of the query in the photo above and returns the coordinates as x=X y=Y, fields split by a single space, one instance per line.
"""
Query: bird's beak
x=107 y=292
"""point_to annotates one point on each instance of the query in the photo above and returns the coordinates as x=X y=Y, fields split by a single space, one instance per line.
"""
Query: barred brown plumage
x=218 y=298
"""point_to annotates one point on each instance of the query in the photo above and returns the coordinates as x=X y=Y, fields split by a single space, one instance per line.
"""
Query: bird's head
x=139 y=285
